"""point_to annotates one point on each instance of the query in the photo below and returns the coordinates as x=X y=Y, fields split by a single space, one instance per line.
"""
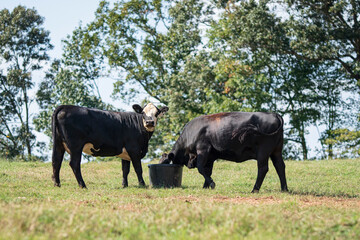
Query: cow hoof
x=57 y=185
x=255 y=191
x=211 y=185
x=125 y=184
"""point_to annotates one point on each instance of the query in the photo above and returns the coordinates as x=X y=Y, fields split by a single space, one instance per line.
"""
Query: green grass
x=323 y=203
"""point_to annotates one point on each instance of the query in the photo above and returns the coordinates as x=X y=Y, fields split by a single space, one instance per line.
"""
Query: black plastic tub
x=165 y=175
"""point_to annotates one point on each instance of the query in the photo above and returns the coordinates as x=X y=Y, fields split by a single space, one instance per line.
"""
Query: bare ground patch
x=303 y=201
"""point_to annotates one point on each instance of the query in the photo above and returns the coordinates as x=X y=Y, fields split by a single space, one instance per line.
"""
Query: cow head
x=150 y=115
x=189 y=160
x=166 y=158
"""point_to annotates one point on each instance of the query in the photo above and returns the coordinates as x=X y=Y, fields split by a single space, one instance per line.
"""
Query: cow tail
x=280 y=128
x=252 y=129
x=54 y=128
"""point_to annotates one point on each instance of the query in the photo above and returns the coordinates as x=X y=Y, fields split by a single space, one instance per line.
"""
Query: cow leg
x=208 y=171
x=57 y=158
x=279 y=165
x=201 y=164
x=125 y=169
x=138 y=169
x=75 y=159
x=263 y=168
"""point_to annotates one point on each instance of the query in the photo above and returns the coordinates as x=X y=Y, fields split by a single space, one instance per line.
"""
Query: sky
x=61 y=17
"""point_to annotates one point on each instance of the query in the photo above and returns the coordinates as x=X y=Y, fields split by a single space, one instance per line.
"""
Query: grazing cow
x=233 y=136
x=102 y=133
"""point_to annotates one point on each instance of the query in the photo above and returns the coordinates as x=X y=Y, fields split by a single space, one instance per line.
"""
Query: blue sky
x=61 y=17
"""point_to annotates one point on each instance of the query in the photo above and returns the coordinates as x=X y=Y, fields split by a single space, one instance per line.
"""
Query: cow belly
x=91 y=150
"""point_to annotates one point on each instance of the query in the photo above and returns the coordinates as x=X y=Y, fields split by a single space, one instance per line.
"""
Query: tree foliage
x=71 y=80
x=202 y=57
x=153 y=45
x=326 y=30
x=23 y=48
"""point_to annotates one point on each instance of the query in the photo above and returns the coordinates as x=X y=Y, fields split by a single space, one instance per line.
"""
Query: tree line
x=295 y=57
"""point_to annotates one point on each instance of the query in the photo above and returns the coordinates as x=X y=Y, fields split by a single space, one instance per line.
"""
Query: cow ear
x=164 y=109
x=137 y=108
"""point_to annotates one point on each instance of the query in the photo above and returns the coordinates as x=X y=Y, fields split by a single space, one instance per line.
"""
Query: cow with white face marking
x=102 y=133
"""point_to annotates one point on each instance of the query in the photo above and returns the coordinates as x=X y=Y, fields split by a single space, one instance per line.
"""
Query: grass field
x=323 y=203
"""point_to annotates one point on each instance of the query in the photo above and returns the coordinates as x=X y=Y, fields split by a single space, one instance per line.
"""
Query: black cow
x=102 y=133
x=233 y=136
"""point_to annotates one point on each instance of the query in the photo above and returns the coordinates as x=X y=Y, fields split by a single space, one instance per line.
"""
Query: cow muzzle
x=150 y=123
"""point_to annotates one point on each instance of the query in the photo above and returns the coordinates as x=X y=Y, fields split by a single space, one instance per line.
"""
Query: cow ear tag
x=137 y=108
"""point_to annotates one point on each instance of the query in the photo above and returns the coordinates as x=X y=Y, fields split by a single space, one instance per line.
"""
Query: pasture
x=323 y=203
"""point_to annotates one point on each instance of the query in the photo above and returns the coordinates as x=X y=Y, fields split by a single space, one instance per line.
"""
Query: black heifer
x=233 y=136
x=102 y=133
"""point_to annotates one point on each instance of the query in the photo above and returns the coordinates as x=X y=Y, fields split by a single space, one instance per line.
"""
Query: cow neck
x=178 y=151
x=149 y=134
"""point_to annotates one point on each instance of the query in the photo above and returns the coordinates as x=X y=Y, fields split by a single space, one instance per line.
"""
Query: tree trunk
x=27 y=130
x=330 y=150
x=303 y=143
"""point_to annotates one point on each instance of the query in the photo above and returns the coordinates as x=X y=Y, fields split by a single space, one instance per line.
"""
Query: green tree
x=326 y=30
x=244 y=71
x=345 y=143
x=254 y=75
x=23 y=48
x=71 y=80
x=260 y=67
x=299 y=98
x=331 y=86
x=154 y=48
x=202 y=57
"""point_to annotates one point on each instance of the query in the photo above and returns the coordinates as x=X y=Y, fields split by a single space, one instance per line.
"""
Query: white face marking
x=150 y=111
